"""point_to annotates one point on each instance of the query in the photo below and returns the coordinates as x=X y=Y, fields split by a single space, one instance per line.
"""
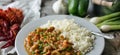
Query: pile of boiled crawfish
x=10 y=21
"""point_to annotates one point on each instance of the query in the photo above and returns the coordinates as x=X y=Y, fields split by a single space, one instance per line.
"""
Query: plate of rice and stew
x=59 y=35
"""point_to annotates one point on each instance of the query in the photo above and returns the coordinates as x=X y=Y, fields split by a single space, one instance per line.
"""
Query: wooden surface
x=112 y=47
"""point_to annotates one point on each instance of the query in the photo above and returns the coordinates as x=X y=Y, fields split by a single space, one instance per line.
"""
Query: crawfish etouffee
x=48 y=41
x=59 y=37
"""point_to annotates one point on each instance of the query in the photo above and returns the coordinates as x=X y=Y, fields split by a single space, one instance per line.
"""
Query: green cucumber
x=73 y=6
x=83 y=7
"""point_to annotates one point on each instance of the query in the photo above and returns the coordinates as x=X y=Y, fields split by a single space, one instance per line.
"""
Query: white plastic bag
x=31 y=11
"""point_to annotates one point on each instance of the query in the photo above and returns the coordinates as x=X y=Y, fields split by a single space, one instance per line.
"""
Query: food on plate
x=10 y=21
x=78 y=7
x=108 y=22
x=48 y=41
x=59 y=37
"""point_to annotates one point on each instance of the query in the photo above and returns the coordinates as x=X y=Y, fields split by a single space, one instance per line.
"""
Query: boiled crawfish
x=10 y=21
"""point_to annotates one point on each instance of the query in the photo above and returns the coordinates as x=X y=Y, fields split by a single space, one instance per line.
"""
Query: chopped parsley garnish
x=42 y=52
x=33 y=52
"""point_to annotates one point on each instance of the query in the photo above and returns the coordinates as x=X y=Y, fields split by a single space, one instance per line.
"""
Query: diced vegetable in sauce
x=48 y=41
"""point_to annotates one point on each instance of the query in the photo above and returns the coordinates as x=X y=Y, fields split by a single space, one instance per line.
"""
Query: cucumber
x=83 y=7
x=73 y=6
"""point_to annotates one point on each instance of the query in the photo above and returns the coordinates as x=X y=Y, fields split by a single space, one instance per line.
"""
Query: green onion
x=33 y=52
x=46 y=44
x=97 y=20
x=109 y=23
x=40 y=47
x=42 y=52
x=113 y=19
x=58 y=38
x=41 y=32
x=69 y=48
x=106 y=28
x=63 y=49
x=40 y=42
x=45 y=37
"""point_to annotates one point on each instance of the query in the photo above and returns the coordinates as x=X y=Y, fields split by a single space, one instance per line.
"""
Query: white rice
x=78 y=35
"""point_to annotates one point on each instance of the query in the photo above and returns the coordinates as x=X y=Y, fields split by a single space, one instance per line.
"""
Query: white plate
x=19 y=42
